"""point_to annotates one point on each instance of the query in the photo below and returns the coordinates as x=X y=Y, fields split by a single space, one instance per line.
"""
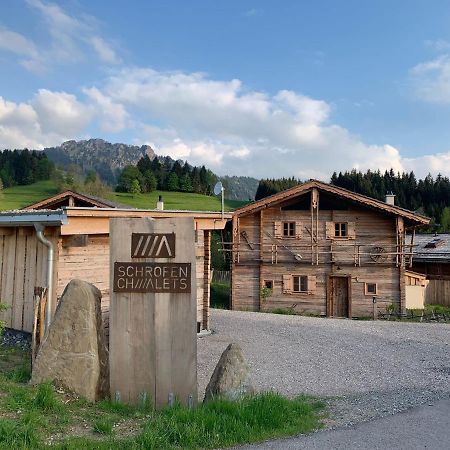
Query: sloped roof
x=439 y=251
x=279 y=197
x=87 y=200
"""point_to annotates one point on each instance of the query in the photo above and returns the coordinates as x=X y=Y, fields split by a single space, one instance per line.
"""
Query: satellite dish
x=218 y=188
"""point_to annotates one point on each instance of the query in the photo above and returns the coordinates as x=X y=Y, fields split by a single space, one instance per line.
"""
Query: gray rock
x=74 y=353
x=231 y=378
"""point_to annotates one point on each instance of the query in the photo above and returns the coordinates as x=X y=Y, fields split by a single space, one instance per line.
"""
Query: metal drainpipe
x=50 y=258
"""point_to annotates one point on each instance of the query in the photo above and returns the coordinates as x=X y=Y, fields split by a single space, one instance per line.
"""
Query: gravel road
x=366 y=369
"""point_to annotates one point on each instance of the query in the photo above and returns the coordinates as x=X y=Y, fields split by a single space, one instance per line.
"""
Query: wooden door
x=339 y=297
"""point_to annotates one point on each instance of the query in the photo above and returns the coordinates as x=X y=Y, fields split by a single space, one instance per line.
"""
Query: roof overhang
x=96 y=220
x=412 y=217
x=24 y=218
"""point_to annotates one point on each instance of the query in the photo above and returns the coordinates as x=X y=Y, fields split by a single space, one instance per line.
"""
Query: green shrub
x=220 y=295
x=3 y=307
x=437 y=309
x=287 y=311
x=393 y=308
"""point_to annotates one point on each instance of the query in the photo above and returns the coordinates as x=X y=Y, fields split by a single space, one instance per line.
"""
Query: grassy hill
x=19 y=196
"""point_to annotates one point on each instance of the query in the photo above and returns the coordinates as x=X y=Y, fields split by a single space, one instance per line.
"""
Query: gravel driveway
x=368 y=369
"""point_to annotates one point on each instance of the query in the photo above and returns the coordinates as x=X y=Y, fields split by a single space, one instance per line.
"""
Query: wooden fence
x=23 y=266
x=438 y=293
x=221 y=276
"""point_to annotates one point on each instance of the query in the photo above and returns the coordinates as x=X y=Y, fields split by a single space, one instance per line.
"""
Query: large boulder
x=74 y=353
x=231 y=377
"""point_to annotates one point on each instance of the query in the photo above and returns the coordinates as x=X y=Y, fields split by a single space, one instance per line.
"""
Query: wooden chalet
x=80 y=238
x=318 y=248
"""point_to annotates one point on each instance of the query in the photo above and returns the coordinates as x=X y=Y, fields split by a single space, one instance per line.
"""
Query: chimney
x=390 y=198
x=160 y=204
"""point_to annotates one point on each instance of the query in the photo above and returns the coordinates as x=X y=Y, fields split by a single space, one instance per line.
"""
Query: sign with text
x=153 y=245
x=153 y=311
x=152 y=277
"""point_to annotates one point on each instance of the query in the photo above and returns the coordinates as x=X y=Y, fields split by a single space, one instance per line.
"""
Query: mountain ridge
x=108 y=159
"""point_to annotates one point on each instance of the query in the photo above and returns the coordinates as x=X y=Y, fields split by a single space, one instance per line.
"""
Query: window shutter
x=298 y=230
x=287 y=284
x=330 y=230
x=351 y=232
x=278 y=229
x=311 y=283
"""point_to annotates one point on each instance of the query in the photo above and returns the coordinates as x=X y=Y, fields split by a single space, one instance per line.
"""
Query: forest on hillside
x=21 y=167
x=167 y=175
x=429 y=196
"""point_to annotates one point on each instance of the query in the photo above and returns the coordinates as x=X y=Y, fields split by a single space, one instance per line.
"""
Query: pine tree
x=135 y=187
x=172 y=182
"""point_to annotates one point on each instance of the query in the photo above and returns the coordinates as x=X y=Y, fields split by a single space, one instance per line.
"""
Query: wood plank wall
x=23 y=263
x=372 y=229
x=91 y=263
x=245 y=281
x=438 y=293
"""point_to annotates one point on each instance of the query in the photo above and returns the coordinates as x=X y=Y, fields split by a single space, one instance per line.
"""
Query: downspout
x=50 y=258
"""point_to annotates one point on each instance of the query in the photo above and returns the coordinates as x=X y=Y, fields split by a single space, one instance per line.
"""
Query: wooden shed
x=321 y=249
x=432 y=259
x=80 y=238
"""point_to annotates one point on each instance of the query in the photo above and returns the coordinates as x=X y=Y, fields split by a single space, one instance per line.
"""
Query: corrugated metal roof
x=431 y=247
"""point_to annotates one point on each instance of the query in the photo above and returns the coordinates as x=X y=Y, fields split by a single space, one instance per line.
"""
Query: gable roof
x=303 y=188
x=67 y=197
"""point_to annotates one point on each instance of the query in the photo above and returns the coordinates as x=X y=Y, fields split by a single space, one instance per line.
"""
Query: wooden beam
x=206 y=278
x=233 y=262
x=99 y=224
x=261 y=257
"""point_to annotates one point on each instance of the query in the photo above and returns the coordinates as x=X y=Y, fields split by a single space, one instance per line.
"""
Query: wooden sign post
x=153 y=340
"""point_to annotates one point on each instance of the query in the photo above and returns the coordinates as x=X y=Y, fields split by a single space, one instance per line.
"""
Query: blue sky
x=259 y=88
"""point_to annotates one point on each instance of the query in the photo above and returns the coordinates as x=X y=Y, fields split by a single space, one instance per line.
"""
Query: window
x=370 y=289
x=288 y=229
x=300 y=283
x=268 y=284
x=340 y=229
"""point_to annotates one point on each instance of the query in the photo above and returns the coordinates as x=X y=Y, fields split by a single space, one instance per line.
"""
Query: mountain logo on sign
x=152 y=245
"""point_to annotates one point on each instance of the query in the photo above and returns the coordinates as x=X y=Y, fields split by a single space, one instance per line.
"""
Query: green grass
x=43 y=417
x=175 y=200
x=19 y=196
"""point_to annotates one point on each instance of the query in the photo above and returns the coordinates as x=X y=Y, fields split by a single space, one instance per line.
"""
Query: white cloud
x=438 y=45
x=231 y=129
x=49 y=118
x=431 y=79
x=60 y=112
x=24 y=48
x=70 y=40
x=16 y=43
x=237 y=131
x=104 y=50
x=113 y=116
x=434 y=164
